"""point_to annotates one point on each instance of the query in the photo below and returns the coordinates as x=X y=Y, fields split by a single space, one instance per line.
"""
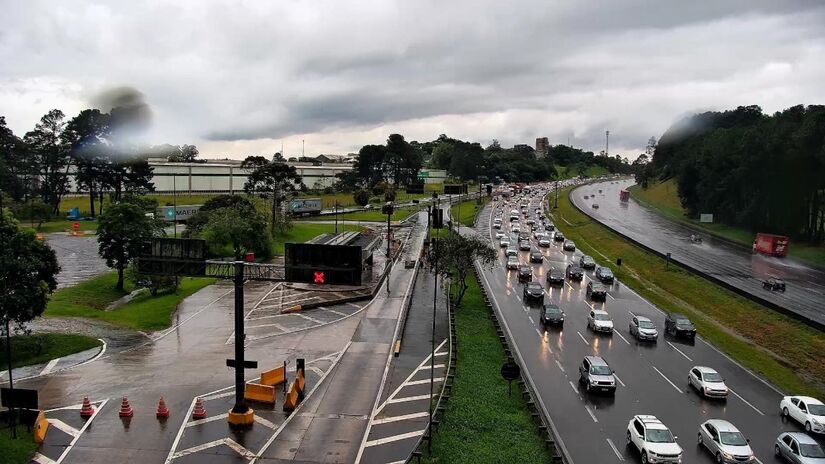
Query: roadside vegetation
x=375 y=215
x=755 y=336
x=19 y=451
x=483 y=423
x=465 y=212
x=301 y=232
x=663 y=198
x=42 y=347
x=91 y=298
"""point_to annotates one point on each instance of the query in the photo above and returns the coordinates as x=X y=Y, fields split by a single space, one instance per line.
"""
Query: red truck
x=624 y=195
x=771 y=245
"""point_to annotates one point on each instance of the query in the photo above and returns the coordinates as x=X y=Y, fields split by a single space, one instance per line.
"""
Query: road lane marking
x=573 y=387
x=615 y=450
x=538 y=332
x=680 y=351
x=64 y=427
x=668 y=380
x=559 y=364
x=48 y=368
x=423 y=381
x=531 y=319
x=583 y=339
x=436 y=366
x=40 y=459
x=388 y=420
x=407 y=399
x=746 y=402
x=311 y=319
x=399 y=437
x=621 y=336
x=590 y=411
x=618 y=380
x=82 y=429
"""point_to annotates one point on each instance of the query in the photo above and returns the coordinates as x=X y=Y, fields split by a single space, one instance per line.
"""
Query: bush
x=361 y=197
x=35 y=210
x=148 y=204
x=155 y=283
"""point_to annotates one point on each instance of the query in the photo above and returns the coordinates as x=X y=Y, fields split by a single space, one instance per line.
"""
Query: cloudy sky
x=242 y=77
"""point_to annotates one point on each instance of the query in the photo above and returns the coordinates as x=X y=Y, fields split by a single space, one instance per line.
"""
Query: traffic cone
x=87 y=410
x=199 y=412
x=125 y=409
x=163 y=411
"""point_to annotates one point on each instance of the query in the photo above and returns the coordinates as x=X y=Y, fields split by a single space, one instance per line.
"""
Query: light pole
x=606 y=142
x=437 y=226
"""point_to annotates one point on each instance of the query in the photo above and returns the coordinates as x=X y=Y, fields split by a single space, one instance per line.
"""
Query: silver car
x=725 y=442
x=708 y=382
x=643 y=328
x=798 y=448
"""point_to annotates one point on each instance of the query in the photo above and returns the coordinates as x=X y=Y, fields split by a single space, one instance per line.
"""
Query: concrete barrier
x=292 y=309
x=274 y=377
x=259 y=393
x=291 y=398
x=41 y=426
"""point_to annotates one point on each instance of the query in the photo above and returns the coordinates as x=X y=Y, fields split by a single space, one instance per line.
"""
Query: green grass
x=376 y=215
x=755 y=336
x=302 y=231
x=91 y=297
x=466 y=211
x=43 y=347
x=482 y=423
x=663 y=198
x=60 y=226
x=19 y=451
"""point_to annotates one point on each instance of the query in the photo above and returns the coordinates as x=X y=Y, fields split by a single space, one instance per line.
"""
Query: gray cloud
x=232 y=77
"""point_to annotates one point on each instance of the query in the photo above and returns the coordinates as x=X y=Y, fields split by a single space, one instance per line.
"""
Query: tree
x=28 y=268
x=16 y=166
x=86 y=135
x=273 y=181
x=196 y=224
x=457 y=255
x=241 y=228
x=361 y=197
x=185 y=154
x=50 y=156
x=121 y=232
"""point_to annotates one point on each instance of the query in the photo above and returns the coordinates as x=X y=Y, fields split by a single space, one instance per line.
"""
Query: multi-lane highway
x=733 y=265
x=652 y=378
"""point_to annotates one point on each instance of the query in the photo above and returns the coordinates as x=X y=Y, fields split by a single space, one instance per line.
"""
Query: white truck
x=305 y=206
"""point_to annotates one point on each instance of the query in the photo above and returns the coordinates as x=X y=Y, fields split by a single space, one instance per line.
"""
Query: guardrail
x=739 y=291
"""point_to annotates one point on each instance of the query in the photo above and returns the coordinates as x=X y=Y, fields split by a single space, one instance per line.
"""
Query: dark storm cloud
x=233 y=75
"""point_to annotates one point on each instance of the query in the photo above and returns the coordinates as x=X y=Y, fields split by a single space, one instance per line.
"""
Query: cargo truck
x=771 y=245
x=624 y=195
x=305 y=206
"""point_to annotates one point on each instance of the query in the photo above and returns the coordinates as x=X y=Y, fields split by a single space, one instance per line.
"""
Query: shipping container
x=772 y=245
x=624 y=195
x=300 y=206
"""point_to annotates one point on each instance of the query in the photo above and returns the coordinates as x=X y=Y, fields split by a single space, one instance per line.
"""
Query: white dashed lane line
x=667 y=379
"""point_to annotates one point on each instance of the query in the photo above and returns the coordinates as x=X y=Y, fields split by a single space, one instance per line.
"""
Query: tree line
x=762 y=172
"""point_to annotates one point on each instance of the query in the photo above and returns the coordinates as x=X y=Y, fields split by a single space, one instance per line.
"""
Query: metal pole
x=556 y=202
x=432 y=344
x=389 y=256
x=175 y=204
x=12 y=421
x=336 y=216
x=240 y=403
x=606 y=142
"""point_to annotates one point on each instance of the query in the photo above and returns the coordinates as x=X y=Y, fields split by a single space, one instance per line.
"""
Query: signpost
x=510 y=371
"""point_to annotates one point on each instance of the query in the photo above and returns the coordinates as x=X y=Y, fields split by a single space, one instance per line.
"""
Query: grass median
x=147 y=313
x=42 y=347
x=466 y=211
x=662 y=197
x=483 y=423
x=16 y=451
x=787 y=353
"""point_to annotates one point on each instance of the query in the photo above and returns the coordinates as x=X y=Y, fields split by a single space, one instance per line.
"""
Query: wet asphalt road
x=805 y=294
x=77 y=257
x=653 y=376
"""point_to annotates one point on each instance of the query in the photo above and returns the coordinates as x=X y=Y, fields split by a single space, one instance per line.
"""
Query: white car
x=499 y=235
x=653 y=440
x=599 y=321
x=725 y=442
x=504 y=242
x=516 y=228
x=512 y=263
x=496 y=225
x=544 y=242
x=708 y=382
x=511 y=252
x=810 y=412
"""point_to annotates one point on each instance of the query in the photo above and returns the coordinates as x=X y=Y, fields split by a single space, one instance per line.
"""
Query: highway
x=652 y=377
x=731 y=264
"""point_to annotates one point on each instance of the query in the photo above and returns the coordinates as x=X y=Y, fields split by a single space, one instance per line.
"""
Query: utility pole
x=12 y=419
x=606 y=142
x=336 y=216
x=175 y=203
x=556 y=202
x=302 y=148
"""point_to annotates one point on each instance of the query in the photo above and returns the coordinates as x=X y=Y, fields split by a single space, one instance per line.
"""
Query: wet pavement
x=730 y=264
x=77 y=257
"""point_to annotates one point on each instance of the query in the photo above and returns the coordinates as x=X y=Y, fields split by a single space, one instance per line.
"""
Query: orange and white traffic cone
x=199 y=412
x=125 y=409
x=87 y=410
x=163 y=411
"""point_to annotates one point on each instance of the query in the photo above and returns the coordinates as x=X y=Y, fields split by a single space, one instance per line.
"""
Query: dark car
x=774 y=284
x=604 y=274
x=558 y=236
x=574 y=272
x=596 y=291
x=549 y=227
x=551 y=314
x=587 y=262
x=536 y=257
x=679 y=326
x=533 y=291
x=525 y=272
x=524 y=236
x=555 y=276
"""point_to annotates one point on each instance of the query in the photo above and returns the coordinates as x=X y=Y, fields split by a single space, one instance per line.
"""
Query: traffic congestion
x=620 y=379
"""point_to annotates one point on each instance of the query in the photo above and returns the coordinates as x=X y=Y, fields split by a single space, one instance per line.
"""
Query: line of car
x=719 y=437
